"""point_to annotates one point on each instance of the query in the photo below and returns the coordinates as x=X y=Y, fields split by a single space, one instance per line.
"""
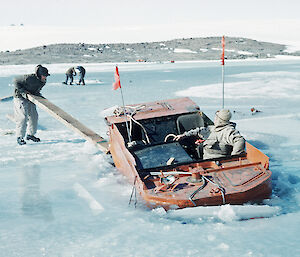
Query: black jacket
x=30 y=83
x=81 y=70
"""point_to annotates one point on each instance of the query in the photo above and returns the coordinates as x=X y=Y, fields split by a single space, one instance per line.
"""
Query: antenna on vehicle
x=223 y=68
x=116 y=85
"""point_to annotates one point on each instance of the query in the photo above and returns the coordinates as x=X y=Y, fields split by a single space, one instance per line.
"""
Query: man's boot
x=33 y=138
x=21 y=141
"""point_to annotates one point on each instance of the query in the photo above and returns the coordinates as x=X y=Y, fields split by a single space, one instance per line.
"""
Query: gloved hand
x=23 y=93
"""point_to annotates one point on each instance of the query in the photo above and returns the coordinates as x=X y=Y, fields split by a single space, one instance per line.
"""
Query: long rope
x=130 y=111
x=133 y=190
x=146 y=134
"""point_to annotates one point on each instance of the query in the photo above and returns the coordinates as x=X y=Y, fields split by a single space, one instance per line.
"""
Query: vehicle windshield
x=161 y=155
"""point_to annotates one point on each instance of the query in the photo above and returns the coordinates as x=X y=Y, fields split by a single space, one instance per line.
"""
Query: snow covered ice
x=61 y=197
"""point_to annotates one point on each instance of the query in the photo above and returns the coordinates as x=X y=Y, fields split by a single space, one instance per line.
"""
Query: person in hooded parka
x=221 y=139
x=25 y=112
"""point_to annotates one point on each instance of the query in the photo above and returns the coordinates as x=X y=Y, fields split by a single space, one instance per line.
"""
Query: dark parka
x=30 y=83
x=81 y=70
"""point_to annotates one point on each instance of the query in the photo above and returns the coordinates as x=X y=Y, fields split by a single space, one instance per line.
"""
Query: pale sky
x=98 y=21
x=142 y=12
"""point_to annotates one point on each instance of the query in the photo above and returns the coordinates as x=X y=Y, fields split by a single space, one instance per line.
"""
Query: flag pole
x=116 y=85
x=223 y=68
x=126 y=121
x=223 y=86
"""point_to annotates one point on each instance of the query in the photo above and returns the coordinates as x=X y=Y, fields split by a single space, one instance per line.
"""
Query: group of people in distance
x=71 y=72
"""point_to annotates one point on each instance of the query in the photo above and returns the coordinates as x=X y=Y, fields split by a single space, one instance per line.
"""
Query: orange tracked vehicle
x=173 y=174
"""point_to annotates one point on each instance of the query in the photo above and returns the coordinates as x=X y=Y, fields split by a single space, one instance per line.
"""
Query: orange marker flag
x=223 y=50
x=117 y=83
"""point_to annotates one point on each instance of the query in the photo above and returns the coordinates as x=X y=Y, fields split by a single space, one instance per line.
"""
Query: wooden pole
x=70 y=122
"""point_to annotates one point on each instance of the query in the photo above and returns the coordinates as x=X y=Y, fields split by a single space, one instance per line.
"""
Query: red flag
x=223 y=50
x=117 y=83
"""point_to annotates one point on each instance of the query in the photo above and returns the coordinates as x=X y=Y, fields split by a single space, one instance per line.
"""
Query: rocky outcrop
x=185 y=49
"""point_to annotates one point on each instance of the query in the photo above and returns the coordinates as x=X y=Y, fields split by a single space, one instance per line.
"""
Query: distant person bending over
x=221 y=139
x=81 y=75
x=25 y=111
x=69 y=75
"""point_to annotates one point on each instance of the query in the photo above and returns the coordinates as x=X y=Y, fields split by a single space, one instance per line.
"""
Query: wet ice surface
x=61 y=197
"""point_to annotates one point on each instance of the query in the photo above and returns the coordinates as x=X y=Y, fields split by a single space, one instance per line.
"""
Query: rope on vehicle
x=205 y=180
x=130 y=111
x=197 y=190
x=222 y=189
x=133 y=190
x=169 y=135
x=135 y=121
